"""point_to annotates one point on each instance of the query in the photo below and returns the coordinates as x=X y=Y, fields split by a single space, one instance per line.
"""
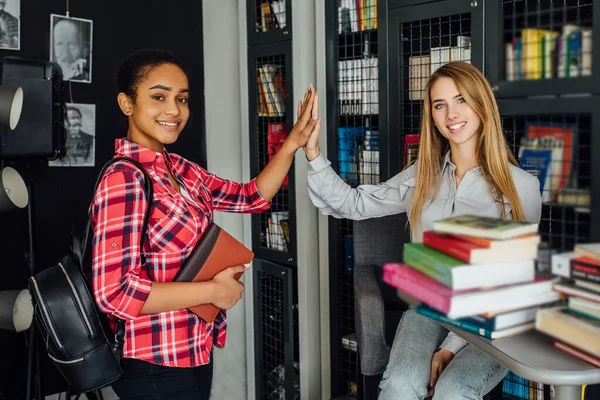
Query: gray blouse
x=334 y=197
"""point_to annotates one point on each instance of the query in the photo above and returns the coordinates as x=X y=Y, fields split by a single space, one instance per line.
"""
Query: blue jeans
x=470 y=375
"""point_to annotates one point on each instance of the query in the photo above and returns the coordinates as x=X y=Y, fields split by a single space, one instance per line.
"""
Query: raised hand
x=308 y=119
x=311 y=147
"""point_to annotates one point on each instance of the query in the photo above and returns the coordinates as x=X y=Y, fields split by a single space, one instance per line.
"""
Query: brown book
x=216 y=251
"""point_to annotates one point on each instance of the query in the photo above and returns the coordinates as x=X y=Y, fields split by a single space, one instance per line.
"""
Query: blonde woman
x=464 y=167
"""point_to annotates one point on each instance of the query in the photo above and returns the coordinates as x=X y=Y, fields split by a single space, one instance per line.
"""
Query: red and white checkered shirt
x=122 y=285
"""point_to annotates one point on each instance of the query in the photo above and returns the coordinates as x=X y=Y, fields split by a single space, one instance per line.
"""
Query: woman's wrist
x=312 y=154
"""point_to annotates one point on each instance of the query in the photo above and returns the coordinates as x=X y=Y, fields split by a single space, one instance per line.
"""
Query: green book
x=431 y=262
x=458 y=275
x=484 y=227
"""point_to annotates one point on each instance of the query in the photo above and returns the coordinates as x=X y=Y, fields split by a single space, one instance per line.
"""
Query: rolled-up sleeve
x=230 y=196
x=453 y=343
x=121 y=286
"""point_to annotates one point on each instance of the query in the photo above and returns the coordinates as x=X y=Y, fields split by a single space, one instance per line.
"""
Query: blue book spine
x=427 y=312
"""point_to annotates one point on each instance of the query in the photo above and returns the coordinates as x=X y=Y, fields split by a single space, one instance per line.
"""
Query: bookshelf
x=274 y=243
x=269 y=21
x=276 y=326
x=409 y=37
x=551 y=39
x=270 y=105
x=354 y=150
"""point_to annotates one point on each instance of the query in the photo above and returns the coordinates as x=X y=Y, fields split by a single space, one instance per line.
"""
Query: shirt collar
x=447 y=162
x=144 y=155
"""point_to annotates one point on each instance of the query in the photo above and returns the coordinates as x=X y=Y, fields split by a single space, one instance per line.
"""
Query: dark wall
x=61 y=195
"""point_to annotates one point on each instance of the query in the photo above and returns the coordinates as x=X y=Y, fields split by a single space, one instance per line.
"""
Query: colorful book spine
x=419 y=286
x=585 y=269
x=450 y=245
x=430 y=262
x=427 y=312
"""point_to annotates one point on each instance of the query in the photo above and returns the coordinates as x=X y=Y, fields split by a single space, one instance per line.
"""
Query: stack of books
x=476 y=273
x=575 y=326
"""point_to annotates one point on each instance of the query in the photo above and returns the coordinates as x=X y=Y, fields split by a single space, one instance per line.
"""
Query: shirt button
x=113 y=245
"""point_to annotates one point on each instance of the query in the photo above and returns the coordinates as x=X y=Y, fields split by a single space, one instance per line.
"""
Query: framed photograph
x=71 y=47
x=10 y=24
x=80 y=123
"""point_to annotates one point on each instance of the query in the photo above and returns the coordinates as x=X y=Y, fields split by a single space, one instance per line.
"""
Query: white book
x=510 y=66
x=418 y=73
x=439 y=56
x=374 y=85
x=586 y=52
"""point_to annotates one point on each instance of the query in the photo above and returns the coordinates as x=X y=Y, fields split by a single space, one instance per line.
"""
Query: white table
x=532 y=356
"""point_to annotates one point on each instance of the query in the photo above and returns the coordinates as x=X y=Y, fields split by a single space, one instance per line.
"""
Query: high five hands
x=305 y=133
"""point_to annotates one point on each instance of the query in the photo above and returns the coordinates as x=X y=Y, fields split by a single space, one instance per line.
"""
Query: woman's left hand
x=308 y=119
x=439 y=362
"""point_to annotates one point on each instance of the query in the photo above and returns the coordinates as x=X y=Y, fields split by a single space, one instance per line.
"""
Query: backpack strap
x=148 y=191
x=79 y=247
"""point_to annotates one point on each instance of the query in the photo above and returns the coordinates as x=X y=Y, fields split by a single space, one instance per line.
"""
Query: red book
x=503 y=244
x=276 y=135
x=577 y=353
x=468 y=302
x=473 y=253
x=585 y=269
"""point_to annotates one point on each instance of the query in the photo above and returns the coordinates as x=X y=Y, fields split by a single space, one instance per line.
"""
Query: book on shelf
x=544 y=54
x=272 y=88
x=277 y=233
x=559 y=139
x=276 y=135
x=357 y=15
x=444 y=54
x=485 y=227
x=419 y=70
x=349 y=342
x=358 y=155
x=358 y=86
x=272 y=16
x=411 y=148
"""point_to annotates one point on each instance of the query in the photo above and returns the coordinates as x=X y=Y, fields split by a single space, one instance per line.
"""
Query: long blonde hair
x=492 y=152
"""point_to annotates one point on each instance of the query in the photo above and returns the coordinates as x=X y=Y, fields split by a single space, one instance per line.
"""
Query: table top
x=532 y=356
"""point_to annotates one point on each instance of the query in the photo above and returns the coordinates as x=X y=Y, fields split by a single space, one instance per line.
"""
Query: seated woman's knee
x=402 y=384
x=450 y=386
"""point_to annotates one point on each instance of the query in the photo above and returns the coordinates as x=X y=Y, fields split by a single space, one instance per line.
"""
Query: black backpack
x=78 y=337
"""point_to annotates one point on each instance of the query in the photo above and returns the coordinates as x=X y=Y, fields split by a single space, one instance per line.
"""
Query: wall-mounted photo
x=80 y=124
x=71 y=47
x=10 y=30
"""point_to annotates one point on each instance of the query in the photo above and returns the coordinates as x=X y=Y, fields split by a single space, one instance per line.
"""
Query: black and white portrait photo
x=80 y=124
x=10 y=31
x=71 y=47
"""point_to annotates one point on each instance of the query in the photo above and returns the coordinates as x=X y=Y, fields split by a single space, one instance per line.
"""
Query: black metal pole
x=33 y=367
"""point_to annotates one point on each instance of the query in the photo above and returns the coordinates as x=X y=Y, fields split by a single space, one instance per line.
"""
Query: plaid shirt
x=122 y=285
